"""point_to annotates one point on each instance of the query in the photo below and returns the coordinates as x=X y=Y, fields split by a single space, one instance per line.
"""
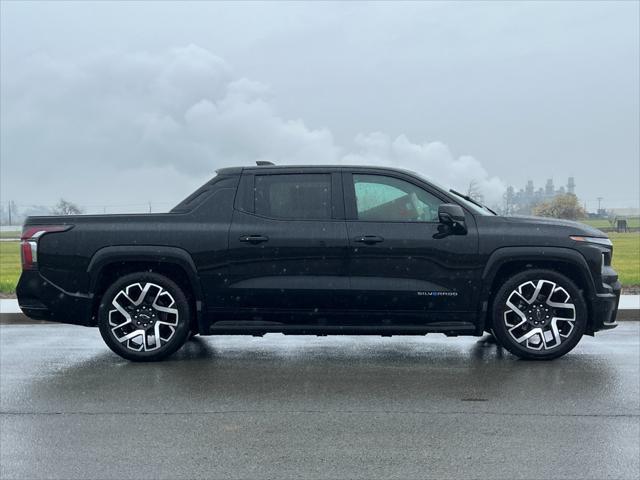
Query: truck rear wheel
x=144 y=317
x=539 y=315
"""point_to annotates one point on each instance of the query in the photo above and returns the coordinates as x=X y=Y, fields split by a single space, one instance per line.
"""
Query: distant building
x=523 y=201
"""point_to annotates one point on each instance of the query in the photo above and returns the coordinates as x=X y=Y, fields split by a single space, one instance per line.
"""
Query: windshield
x=476 y=208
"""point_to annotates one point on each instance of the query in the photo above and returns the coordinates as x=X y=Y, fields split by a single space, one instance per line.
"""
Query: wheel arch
x=109 y=263
x=504 y=262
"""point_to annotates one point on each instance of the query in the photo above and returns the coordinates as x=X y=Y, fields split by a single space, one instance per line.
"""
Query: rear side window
x=293 y=196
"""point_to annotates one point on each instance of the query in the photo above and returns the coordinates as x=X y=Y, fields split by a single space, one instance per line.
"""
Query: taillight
x=29 y=243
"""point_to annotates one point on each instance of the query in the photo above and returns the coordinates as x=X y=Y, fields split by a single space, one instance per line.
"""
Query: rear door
x=288 y=245
x=399 y=262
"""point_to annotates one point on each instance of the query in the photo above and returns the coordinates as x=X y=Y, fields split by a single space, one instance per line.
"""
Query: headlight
x=598 y=240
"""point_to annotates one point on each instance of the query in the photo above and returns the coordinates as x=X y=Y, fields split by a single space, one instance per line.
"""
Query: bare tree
x=474 y=191
x=64 y=207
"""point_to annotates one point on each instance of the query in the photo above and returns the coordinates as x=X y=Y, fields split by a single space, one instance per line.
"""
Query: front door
x=399 y=261
x=288 y=247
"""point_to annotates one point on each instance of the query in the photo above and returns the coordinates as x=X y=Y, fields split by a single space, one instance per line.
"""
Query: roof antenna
x=262 y=163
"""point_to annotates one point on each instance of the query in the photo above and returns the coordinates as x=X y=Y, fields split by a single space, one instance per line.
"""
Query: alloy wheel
x=144 y=317
x=540 y=315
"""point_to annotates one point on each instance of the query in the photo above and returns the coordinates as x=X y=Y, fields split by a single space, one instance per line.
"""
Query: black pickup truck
x=315 y=251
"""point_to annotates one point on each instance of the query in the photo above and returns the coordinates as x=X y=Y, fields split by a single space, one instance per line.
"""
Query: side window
x=389 y=199
x=293 y=196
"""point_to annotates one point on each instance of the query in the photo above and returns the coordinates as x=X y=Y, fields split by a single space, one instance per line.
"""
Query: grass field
x=626 y=257
x=9 y=266
x=604 y=223
x=626 y=261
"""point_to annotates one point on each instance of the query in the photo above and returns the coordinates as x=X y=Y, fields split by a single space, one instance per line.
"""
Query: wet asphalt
x=317 y=407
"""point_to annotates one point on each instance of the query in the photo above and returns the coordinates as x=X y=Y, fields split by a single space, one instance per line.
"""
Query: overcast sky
x=117 y=104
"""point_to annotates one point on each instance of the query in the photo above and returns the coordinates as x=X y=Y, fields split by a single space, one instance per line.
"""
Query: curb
x=18 y=319
x=627 y=315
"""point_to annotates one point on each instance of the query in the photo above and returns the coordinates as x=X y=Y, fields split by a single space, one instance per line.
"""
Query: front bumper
x=42 y=300
x=604 y=308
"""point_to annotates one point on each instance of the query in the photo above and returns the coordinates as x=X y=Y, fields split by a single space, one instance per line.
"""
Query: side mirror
x=452 y=215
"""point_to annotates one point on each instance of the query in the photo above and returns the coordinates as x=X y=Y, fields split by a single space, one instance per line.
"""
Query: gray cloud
x=120 y=128
x=531 y=89
x=433 y=159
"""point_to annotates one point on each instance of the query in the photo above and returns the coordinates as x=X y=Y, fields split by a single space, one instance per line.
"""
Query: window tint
x=293 y=196
x=388 y=199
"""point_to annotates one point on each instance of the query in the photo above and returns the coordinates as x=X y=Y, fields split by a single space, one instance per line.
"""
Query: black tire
x=508 y=325
x=173 y=326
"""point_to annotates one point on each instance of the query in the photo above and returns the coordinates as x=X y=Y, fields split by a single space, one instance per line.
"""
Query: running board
x=449 y=329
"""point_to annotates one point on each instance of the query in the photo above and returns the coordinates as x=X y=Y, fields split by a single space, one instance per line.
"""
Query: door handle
x=254 y=239
x=369 y=239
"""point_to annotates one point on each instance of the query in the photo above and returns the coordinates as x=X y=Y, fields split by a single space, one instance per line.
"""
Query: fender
x=505 y=255
x=147 y=253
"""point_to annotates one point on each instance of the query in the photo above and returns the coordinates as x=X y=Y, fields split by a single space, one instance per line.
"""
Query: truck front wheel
x=539 y=315
x=144 y=317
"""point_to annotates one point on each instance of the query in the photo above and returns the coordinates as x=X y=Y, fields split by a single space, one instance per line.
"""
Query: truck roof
x=238 y=170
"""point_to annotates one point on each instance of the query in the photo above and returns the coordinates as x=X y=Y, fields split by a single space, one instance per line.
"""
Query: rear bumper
x=604 y=308
x=40 y=299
